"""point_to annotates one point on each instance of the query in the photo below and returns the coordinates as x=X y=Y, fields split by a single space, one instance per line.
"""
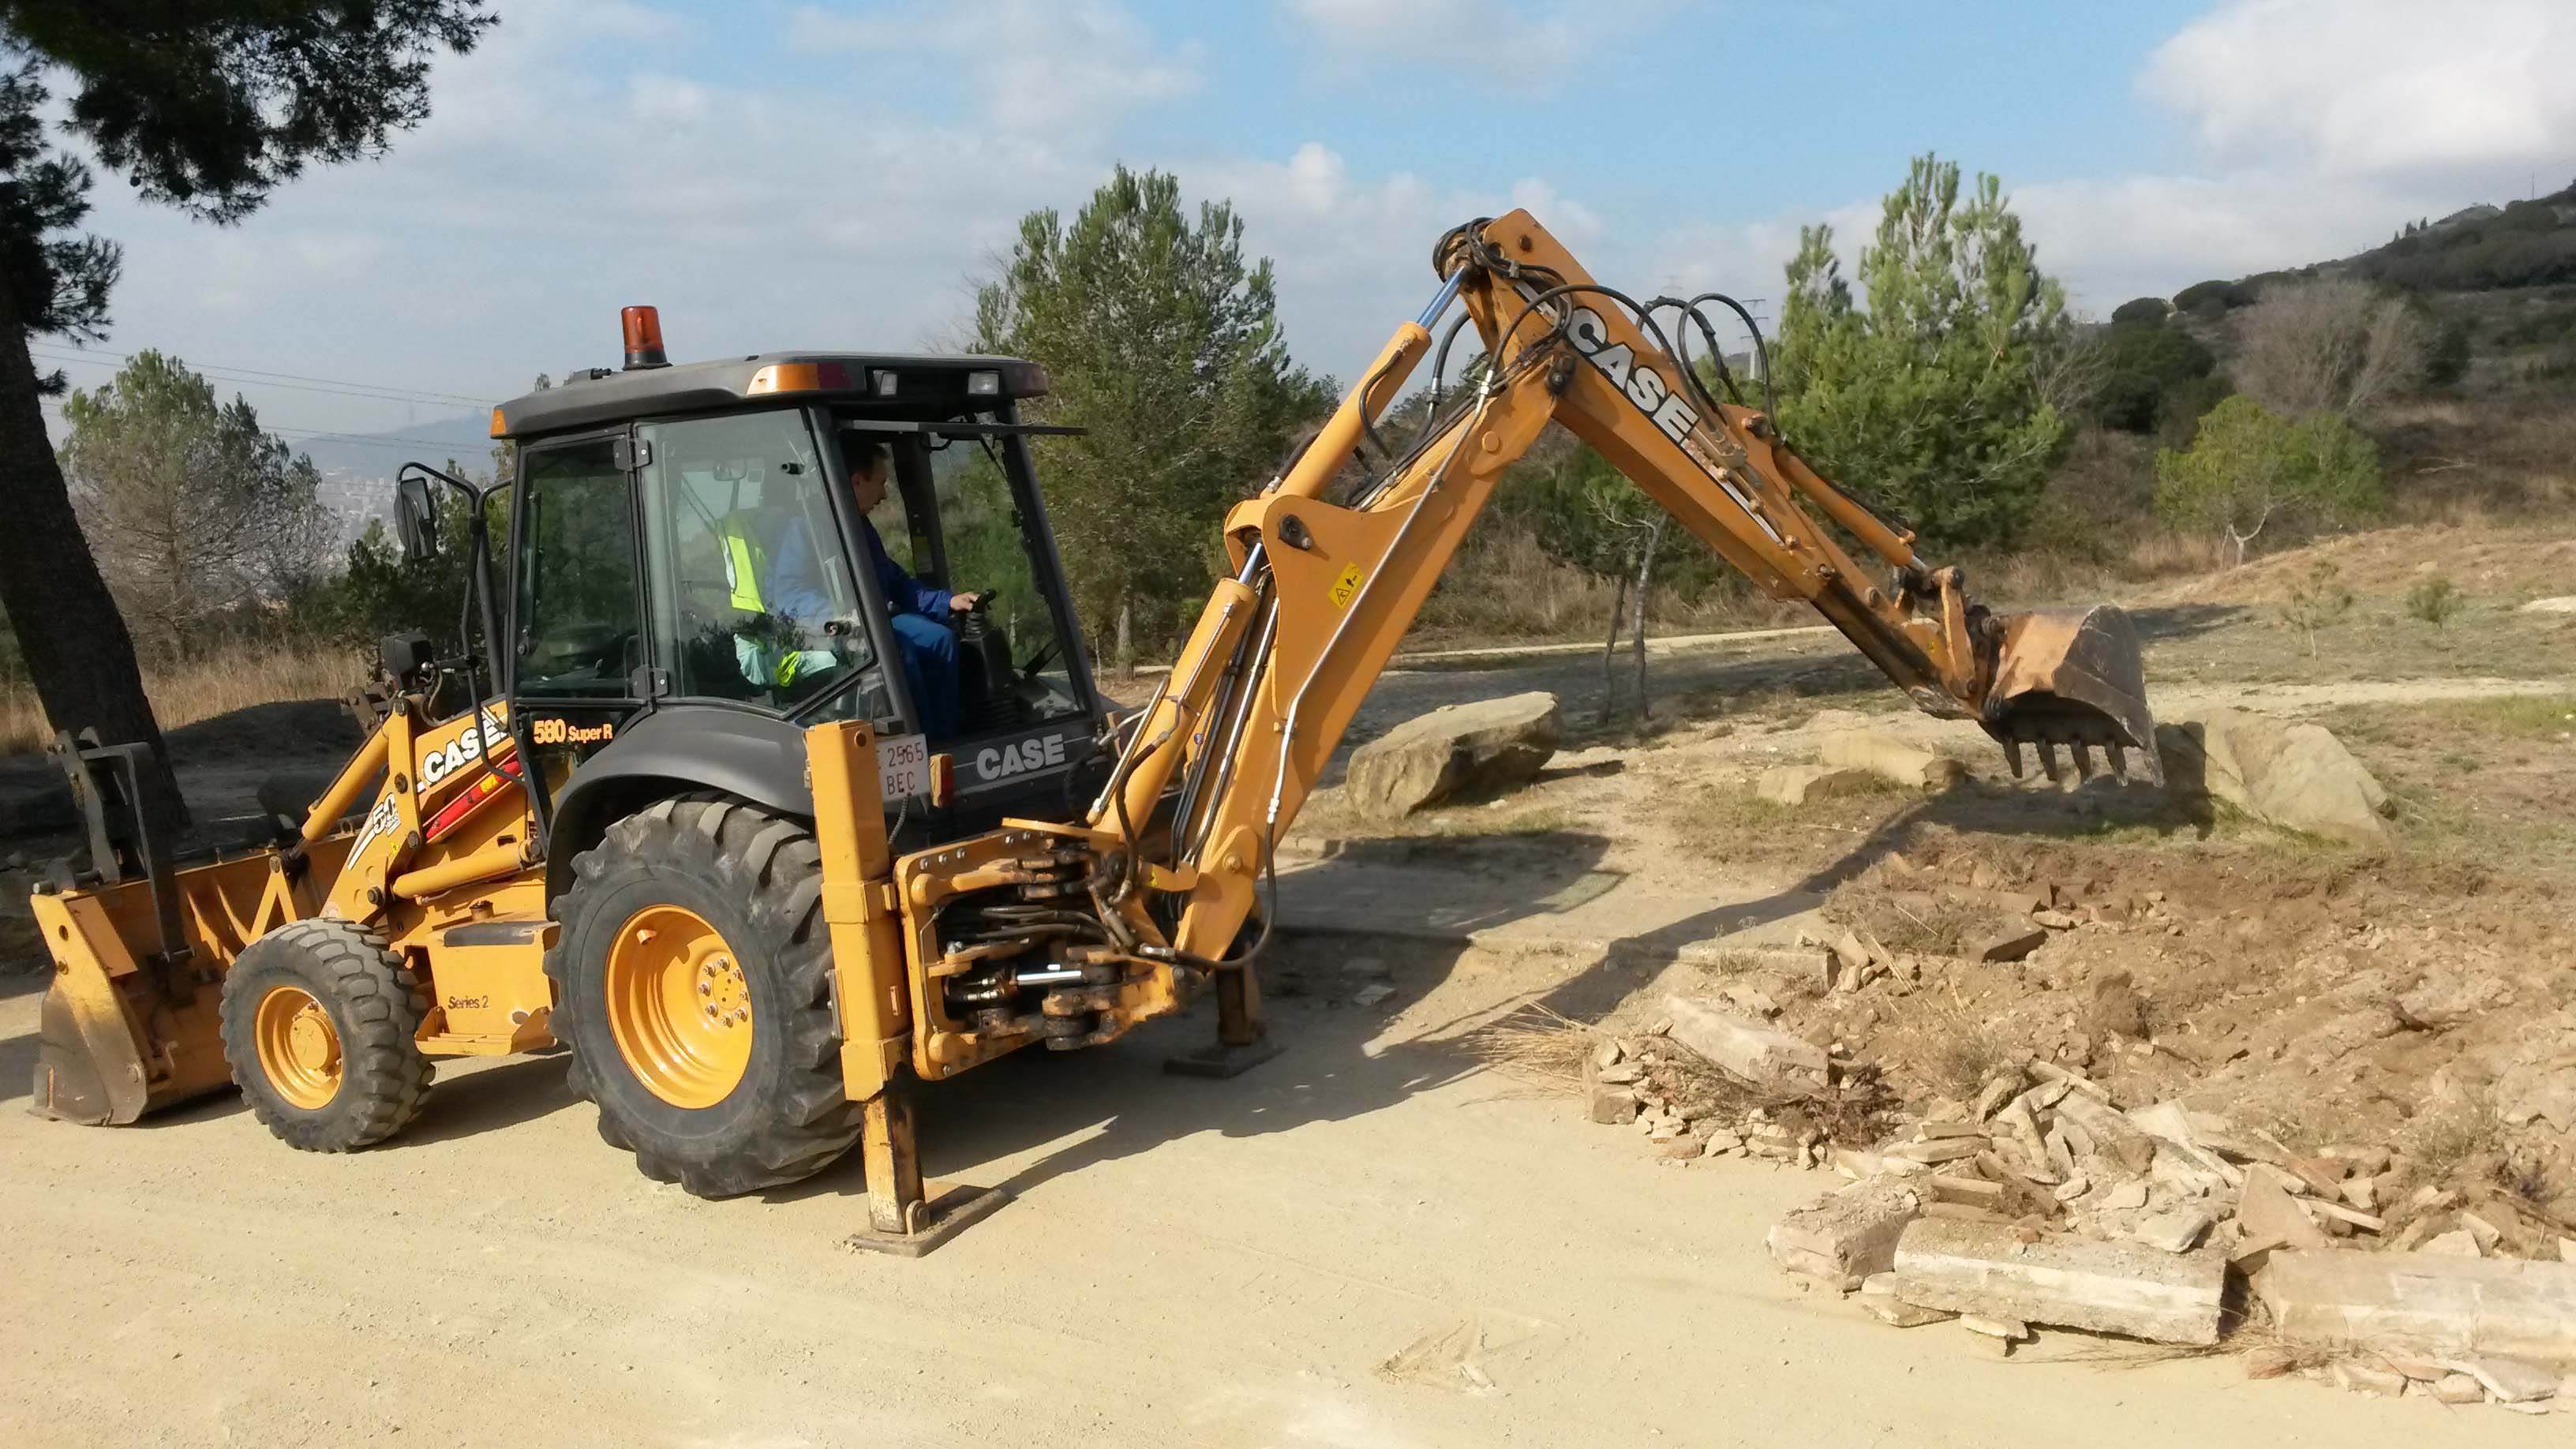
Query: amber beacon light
x=643 y=327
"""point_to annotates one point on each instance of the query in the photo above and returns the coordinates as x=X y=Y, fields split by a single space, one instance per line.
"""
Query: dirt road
x=1365 y=1242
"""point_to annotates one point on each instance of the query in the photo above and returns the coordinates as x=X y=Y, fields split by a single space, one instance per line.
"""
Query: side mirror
x=416 y=519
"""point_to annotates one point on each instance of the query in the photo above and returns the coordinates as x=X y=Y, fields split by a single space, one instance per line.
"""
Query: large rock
x=1482 y=746
x=2296 y=776
x=1890 y=758
x=1791 y=785
x=2563 y=604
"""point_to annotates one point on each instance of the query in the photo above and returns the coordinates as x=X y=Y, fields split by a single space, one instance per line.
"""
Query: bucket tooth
x=2012 y=756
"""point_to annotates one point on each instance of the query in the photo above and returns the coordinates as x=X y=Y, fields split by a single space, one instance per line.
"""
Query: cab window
x=954 y=517
x=576 y=613
x=752 y=593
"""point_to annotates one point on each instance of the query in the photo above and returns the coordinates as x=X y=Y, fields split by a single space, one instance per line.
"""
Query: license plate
x=903 y=767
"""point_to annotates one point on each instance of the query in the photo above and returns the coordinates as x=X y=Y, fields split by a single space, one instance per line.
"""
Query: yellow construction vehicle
x=700 y=817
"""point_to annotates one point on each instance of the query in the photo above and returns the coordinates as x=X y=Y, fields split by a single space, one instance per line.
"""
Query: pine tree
x=1163 y=340
x=201 y=104
x=1926 y=404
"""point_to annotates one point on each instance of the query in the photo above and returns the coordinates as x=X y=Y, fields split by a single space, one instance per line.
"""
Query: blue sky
x=775 y=173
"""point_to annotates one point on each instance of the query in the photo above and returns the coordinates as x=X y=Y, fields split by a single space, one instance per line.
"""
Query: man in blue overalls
x=918 y=612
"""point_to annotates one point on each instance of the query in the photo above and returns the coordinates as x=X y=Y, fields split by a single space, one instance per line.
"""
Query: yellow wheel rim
x=299 y=1048
x=679 y=1006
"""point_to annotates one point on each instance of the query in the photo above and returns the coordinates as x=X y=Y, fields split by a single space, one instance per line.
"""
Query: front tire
x=320 y=1021
x=694 y=989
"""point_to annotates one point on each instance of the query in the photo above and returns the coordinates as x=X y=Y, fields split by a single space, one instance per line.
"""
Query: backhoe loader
x=703 y=842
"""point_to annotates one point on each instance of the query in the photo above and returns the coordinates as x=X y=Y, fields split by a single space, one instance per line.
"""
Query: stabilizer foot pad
x=1221 y=1061
x=948 y=1208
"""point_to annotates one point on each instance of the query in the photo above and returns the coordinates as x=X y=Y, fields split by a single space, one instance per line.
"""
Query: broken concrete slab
x=1891 y=759
x=2106 y=1287
x=2110 y=1130
x=2266 y=1212
x=1755 y=1053
x=1879 y=1297
x=2506 y=1381
x=2176 y=1231
x=1845 y=1236
x=1486 y=745
x=2421 y=1303
x=1610 y=1104
x=2457 y=1243
x=2362 y=1378
x=2458 y=1389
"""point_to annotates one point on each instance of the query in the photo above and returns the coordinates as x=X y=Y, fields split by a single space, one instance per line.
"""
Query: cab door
x=580 y=657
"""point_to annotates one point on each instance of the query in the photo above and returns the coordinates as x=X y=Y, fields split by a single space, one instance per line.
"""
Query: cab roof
x=904 y=385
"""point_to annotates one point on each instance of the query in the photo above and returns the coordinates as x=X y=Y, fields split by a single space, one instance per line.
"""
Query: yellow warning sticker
x=1345 y=586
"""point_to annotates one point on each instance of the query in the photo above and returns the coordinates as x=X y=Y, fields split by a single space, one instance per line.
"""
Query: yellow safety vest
x=744 y=563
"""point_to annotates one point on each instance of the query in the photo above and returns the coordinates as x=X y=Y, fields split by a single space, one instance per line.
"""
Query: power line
x=392 y=392
x=305 y=435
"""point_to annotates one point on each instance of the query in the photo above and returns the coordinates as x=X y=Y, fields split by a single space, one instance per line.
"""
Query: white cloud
x=1353 y=255
x=2377 y=87
x=1041 y=66
x=1526 y=42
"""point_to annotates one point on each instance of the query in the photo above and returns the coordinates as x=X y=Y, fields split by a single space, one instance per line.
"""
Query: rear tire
x=320 y=1021
x=706 y=906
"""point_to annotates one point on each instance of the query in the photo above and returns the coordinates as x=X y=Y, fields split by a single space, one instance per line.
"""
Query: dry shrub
x=1921 y=923
x=199 y=689
x=1536 y=1042
x=1946 y=1048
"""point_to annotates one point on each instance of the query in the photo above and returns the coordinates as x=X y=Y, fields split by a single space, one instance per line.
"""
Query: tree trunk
x=1125 y=652
x=1645 y=577
x=73 y=638
x=1610 y=653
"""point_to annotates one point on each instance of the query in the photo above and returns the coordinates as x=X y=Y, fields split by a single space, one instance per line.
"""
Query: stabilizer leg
x=907 y=1216
x=1242 y=1037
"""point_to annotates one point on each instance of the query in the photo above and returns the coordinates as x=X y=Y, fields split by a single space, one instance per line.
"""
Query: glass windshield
x=751 y=597
x=952 y=521
x=577 y=620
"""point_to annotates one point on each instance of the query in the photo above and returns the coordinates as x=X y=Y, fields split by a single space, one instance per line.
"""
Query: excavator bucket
x=2074 y=678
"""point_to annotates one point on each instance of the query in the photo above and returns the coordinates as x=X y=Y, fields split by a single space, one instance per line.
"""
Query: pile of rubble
x=2047 y=1202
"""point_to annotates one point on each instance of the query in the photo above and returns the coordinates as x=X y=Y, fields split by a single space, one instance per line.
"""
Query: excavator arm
x=1173 y=857
x=1324 y=590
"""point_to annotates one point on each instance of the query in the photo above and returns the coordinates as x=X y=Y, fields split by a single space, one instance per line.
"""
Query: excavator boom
x=1324 y=589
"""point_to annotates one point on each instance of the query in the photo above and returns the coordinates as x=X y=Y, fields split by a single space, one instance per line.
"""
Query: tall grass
x=184 y=693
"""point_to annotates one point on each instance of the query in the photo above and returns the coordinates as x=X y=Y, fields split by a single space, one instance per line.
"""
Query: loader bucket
x=2073 y=677
x=123 y=1032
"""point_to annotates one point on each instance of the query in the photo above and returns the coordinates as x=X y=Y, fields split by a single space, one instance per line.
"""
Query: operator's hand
x=963 y=603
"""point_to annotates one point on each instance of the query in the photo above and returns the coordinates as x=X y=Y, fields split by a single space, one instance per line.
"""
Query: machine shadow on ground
x=1339 y=1060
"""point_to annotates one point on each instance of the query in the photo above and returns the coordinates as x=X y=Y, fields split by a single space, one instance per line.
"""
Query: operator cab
x=687 y=553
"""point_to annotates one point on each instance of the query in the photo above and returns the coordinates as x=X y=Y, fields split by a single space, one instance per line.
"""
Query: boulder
x=2563 y=604
x=1488 y=745
x=1791 y=785
x=1893 y=759
x=2296 y=776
